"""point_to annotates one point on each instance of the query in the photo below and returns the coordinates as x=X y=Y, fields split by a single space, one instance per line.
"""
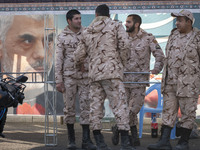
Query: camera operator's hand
x=60 y=87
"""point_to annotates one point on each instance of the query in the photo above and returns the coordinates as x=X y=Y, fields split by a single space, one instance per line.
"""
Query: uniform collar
x=69 y=31
x=188 y=35
x=139 y=35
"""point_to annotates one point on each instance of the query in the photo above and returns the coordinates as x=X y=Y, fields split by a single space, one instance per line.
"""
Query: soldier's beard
x=131 y=29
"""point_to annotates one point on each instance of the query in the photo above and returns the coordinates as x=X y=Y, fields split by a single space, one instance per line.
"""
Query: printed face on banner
x=22 y=44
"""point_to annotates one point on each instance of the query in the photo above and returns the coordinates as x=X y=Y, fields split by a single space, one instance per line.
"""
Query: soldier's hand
x=60 y=87
x=155 y=71
x=82 y=68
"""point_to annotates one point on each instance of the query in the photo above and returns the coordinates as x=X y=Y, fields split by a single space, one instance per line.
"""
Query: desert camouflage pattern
x=105 y=43
x=172 y=102
x=112 y=89
x=74 y=86
x=182 y=64
x=141 y=47
x=175 y=58
x=135 y=98
x=74 y=79
x=67 y=42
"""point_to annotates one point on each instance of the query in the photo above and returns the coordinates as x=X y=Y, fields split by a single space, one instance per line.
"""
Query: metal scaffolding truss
x=50 y=136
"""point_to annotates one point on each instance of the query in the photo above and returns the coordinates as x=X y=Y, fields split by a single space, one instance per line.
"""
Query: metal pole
x=50 y=136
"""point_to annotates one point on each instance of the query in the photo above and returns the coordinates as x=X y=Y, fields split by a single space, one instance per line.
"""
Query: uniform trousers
x=114 y=91
x=188 y=106
x=73 y=88
x=135 y=98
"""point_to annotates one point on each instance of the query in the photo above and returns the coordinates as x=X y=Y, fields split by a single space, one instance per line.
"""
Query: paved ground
x=30 y=136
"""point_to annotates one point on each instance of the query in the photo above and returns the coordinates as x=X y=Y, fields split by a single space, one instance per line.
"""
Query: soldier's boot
x=86 y=140
x=135 y=139
x=125 y=141
x=178 y=131
x=183 y=142
x=115 y=135
x=164 y=141
x=71 y=137
x=101 y=145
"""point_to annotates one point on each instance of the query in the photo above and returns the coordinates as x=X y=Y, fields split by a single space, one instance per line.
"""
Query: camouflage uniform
x=104 y=41
x=74 y=79
x=141 y=47
x=181 y=78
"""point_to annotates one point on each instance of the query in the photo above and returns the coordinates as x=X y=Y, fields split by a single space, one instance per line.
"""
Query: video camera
x=12 y=91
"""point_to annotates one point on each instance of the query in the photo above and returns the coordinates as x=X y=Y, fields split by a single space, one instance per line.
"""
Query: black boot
x=135 y=139
x=101 y=145
x=178 y=130
x=115 y=135
x=71 y=137
x=164 y=141
x=86 y=141
x=183 y=142
x=125 y=141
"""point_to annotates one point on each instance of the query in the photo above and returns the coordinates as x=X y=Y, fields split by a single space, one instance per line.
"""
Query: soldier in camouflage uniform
x=142 y=44
x=181 y=81
x=72 y=81
x=104 y=42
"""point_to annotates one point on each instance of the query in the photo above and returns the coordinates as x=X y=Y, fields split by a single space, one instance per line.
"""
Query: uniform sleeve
x=157 y=53
x=122 y=43
x=80 y=52
x=198 y=45
x=60 y=50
